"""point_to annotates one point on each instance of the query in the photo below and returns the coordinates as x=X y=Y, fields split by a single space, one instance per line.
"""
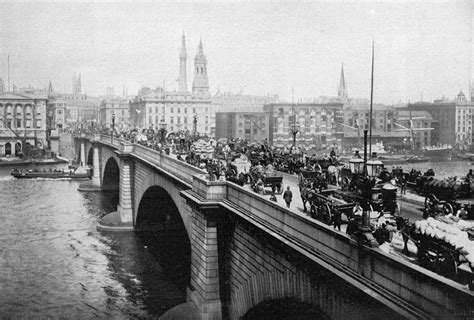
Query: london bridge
x=245 y=249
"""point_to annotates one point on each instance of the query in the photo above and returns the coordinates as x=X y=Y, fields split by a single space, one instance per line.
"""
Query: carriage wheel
x=448 y=208
x=430 y=202
x=344 y=184
x=446 y=264
x=424 y=258
x=326 y=213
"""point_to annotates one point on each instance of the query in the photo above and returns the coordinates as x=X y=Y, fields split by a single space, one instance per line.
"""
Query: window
x=38 y=123
x=179 y=110
x=172 y=109
x=185 y=110
x=18 y=123
x=171 y=121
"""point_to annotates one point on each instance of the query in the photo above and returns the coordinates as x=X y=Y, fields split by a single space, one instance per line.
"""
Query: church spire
x=342 y=92
x=182 y=81
x=200 y=82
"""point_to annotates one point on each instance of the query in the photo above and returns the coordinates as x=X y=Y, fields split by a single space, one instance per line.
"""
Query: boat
x=6 y=162
x=438 y=153
x=416 y=159
x=81 y=173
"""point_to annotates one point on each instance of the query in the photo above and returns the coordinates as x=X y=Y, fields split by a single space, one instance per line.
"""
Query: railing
x=180 y=169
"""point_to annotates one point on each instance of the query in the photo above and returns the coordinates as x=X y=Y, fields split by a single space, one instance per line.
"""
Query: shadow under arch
x=111 y=179
x=90 y=157
x=284 y=309
x=160 y=226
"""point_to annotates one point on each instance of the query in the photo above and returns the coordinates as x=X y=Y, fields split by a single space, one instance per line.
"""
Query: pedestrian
x=288 y=196
x=404 y=185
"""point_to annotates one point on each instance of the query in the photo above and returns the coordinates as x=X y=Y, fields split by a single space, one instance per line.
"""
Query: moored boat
x=80 y=173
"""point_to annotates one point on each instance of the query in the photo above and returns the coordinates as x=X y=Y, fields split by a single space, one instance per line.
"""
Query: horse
x=407 y=229
x=333 y=174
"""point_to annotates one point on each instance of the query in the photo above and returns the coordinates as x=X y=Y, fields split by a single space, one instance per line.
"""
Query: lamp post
x=294 y=129
x=162 y=128
x=195 y=121
x=113 y=128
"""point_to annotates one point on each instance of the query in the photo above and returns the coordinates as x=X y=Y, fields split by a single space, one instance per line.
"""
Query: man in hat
x=462 y=212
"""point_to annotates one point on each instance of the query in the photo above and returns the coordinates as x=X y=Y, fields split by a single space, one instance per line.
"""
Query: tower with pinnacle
x=342 y=92
x=182 y=81
x=76 y=84
x=200 y=81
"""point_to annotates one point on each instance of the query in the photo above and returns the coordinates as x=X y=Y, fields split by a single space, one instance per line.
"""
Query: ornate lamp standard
x=294 y=129
x=113 y=128
x=162 y=128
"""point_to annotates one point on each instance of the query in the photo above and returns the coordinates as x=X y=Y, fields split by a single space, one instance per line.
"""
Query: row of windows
x=178 y=110
x=19 y=124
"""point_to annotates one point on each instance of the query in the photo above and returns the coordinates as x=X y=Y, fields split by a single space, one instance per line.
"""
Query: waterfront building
x=250 y=126
x=316 y=125
x=464 y=115
x=22 y=121
x=115 y=106
x=453 y=120
x=178 y=110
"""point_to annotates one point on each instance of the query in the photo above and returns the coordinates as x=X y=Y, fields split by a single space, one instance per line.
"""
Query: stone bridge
x=245 y=251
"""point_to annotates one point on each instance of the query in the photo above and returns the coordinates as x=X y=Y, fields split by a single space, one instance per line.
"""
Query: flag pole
x=371 y=102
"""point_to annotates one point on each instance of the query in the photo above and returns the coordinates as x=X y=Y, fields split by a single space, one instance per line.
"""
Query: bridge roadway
x=262 y=243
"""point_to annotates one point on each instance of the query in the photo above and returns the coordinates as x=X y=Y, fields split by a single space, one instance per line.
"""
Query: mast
x=371 y=101
x=8 y=63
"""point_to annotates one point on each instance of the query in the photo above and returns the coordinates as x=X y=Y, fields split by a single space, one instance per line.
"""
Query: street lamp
x=162 y=128
x=113 y=128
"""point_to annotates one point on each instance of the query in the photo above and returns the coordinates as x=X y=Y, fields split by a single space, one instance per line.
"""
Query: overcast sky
x=422 y=48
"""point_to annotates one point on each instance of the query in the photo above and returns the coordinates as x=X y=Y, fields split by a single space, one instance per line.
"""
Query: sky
x=423 y=49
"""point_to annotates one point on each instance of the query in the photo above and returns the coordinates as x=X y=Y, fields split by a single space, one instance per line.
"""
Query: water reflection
x=54 y=263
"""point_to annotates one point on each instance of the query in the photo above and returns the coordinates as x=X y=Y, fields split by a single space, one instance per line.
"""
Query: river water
x=54 y=263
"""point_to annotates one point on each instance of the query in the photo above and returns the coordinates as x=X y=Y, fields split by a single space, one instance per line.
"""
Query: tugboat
x=81 y=173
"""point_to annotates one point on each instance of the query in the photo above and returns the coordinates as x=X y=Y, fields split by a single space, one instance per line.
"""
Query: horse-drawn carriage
x=373 y=190
x=327 y=206
x=261 y=177
x=443 y=246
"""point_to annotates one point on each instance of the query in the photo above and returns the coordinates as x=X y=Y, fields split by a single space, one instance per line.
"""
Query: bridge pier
x=204 y=291
x=96 y=166
x=122 y=219
x=83 y=153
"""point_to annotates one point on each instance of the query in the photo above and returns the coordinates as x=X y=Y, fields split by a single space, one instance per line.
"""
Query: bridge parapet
x=178 y=168
x=409 y=289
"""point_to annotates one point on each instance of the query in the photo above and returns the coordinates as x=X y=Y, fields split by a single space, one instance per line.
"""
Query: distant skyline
x=423 y=49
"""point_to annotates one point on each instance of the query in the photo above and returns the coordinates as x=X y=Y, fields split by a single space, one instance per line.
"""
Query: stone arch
x=8 y=148
x=111 y=175
x=159 y=217
x=18 y=148
x=149 y=178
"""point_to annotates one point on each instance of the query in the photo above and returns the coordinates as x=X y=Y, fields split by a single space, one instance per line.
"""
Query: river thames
x=55 y=264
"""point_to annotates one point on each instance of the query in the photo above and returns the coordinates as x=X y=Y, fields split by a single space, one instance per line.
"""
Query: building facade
x=250 y=126
x=22 y=121
x=315 y=126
